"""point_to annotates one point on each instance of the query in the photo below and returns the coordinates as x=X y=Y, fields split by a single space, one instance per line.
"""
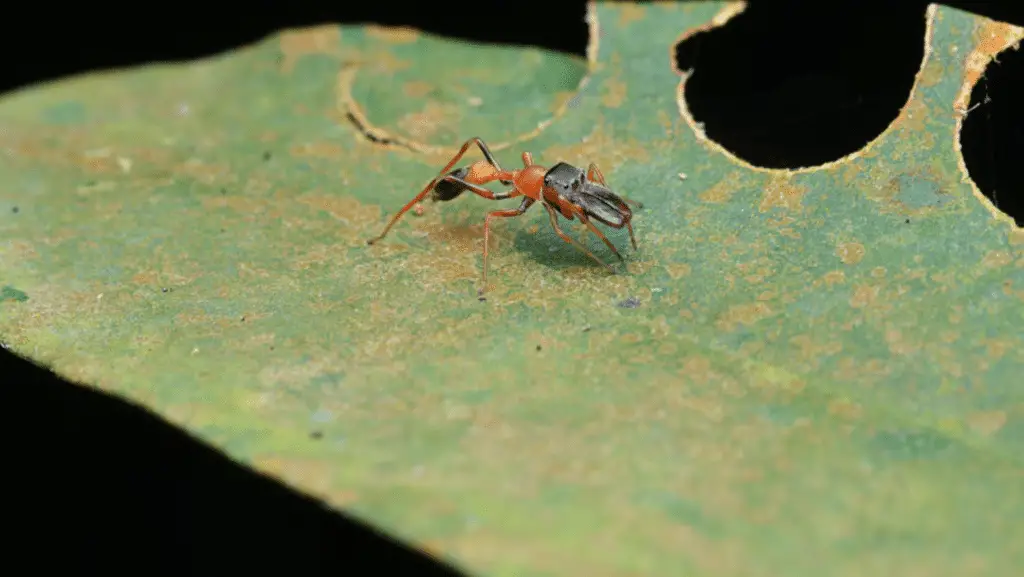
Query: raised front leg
x=594 y=174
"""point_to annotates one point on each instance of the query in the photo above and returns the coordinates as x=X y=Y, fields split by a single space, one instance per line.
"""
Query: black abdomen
x=446 y=190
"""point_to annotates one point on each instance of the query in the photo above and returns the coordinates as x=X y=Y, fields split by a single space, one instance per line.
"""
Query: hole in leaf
x=799 y=83
x=992 y=135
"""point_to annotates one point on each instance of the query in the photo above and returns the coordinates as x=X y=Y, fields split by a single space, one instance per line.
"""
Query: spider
x=563 y=190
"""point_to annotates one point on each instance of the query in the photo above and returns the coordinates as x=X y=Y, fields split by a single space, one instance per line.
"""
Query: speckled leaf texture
x=821 y=375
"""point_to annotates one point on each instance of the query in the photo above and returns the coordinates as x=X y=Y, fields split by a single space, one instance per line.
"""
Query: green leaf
x=822 y=373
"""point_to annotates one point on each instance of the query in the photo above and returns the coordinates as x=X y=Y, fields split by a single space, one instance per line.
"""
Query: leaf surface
x=803 y=371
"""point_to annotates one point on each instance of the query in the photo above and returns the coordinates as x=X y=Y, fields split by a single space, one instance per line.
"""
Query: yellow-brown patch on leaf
x=949 y=366
x=417 y=88
x=710 y=408
x=145 y=278
x=392 y=34
x=387 y=63
x=996 y=259
x=193 y=317
x=845 y=408
x=247 y=271
x=295 y=44
x=241 y=204
x=850 y=252
x=743 y=315
x=180 y=414
x=640 y=267
x=667 y=123
x=311 y=474
x=424 y=124
x=1009 y=291
x=864 y=295
x=629 y=13
x=317 y=255
x=599 y=147
x=463 y=238
x=723 y=190
x=614 y=93
x=347 y=210
x=296 y=373
x=317 y=150
x=996 y=348
x=986 y=422
x=912 y=117
x=21 y=250
x=260 y=340
x=899 y=344
x=812 y=349
x=150 y=155
x=99 y=163
x=667 y=349
x=449 y=254
x=780 y=192
x=932 y=73
x=756 y=271
x=204 y=172
x=990 y=39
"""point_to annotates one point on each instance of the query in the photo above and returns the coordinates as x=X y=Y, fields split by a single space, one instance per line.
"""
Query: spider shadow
x=107 y=485
x=543 y=247
x=546 y=248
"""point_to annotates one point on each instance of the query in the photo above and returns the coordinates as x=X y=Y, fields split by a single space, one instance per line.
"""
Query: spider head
x=565 y=179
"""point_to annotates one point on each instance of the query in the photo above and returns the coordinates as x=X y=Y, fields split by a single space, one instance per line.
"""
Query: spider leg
x=632 y=238
x=594 y=173
x=600 y=235
x=572 y=241
x=441 y=175
x=481 y=191
x=527 y=202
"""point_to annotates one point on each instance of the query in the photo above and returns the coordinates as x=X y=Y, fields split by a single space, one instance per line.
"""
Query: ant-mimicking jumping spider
x=563 y=190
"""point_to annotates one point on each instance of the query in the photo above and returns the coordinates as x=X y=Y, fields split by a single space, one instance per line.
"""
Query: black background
x=96 y=483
